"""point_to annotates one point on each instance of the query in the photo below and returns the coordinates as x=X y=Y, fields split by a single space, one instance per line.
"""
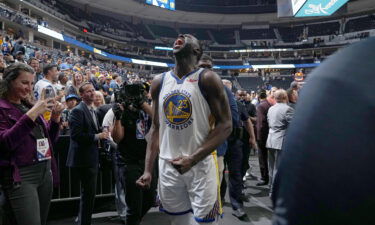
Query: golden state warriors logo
x=178 y=110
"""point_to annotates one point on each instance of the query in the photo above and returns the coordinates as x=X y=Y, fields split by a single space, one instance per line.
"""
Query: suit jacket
x=101 y=111
x=83 y=149
x=278 y=117
x=262 y=123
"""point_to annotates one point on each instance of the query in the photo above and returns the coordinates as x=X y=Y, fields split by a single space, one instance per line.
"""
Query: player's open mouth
x=179 y=43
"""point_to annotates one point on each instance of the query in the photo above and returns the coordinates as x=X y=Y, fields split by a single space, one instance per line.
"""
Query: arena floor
x=258 y=209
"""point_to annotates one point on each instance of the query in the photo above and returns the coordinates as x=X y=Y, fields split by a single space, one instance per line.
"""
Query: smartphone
x=48 y=93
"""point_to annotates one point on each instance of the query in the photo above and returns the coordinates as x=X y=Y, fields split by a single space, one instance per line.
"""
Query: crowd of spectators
x=17 y=17
x=71 y=65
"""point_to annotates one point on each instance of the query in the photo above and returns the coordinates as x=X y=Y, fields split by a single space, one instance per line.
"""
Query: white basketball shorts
x=195 y=191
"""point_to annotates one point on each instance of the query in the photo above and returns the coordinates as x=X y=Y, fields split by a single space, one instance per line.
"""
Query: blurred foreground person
x=326 y=173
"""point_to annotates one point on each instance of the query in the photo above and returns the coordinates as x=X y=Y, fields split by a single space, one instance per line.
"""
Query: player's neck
x=184 y=66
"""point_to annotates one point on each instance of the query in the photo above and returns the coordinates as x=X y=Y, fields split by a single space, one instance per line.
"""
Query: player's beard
x=185 y=51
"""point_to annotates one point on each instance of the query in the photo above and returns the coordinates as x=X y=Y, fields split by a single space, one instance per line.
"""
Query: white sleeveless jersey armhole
x=184 y=115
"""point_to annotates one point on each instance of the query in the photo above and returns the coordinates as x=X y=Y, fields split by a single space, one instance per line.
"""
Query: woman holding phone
x=27 y=167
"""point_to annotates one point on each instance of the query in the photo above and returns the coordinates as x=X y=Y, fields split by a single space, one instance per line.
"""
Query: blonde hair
x=74 y=79
x=101 y=97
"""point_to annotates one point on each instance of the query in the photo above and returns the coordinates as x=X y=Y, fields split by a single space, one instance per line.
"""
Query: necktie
x=94 y=118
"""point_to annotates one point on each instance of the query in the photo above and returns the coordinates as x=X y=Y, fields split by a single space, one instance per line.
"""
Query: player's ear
x=198 y=52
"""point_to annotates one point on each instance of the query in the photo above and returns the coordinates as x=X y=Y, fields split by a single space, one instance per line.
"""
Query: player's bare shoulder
x=211 y=80
x=156 y=84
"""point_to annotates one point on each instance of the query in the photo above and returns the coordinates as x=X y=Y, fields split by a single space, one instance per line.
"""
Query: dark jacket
x=222 y=149
x=17 y=143
x=102 y=110
x=83 y=149
x=262 y=123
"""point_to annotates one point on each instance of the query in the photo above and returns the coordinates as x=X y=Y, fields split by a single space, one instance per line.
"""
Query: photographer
x=133 y=120
x=26 y=147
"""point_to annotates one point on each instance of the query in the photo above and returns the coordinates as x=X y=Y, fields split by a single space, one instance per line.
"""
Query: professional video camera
x=131 y=97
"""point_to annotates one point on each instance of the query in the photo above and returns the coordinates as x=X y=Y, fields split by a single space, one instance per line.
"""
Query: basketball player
x=183 y=101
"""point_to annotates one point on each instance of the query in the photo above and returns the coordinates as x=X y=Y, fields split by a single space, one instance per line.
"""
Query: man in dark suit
x=83 y=154
x=262 y=134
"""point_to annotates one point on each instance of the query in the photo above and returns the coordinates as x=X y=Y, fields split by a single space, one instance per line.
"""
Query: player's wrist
x=193 y=161
x=147 y=173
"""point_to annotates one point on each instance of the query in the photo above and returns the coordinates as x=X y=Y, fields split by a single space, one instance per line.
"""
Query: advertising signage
x=166 y=4
x=296 y=5
x=320 y=7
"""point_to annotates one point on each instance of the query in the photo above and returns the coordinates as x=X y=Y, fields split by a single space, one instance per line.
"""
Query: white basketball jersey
x=183 y=114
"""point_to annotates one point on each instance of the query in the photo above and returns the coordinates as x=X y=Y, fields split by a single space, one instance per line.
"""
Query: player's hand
x=182 y=164
x=144 y=181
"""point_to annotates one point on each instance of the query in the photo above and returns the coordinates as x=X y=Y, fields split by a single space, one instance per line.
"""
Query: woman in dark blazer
x=26 y=139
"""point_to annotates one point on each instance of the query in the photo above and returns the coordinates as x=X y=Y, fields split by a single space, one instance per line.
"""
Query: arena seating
x=256 y=34
x=291 y=34
x=199 y=33
x=256 y=83
x=250 y=83
x=283 y=83
x=162 y=31
x=227 y=7
x=109 y=22
x=224 y=36
x=261 y=62
x=320 y=29
x=143 y=31
x=297 y=61
x=228 y=63
x=360 y=24
x=73 y=12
